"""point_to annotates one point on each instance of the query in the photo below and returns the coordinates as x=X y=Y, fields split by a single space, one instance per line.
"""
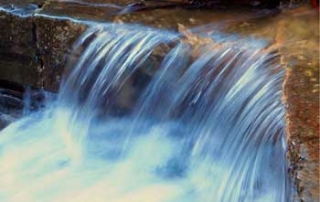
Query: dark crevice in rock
x=144 y=5
x=40 y=5
x=11 y=86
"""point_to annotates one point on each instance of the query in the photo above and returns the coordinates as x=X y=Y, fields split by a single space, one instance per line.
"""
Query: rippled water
x=207 y=127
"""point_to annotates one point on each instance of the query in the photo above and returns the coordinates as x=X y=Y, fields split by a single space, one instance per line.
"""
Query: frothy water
x=207 y=127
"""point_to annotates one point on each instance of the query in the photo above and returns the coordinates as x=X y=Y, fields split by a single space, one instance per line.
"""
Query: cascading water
x=207 y=127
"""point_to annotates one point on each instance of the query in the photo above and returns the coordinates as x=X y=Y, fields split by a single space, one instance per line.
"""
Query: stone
x=300 y=53
x=55 y=41
x=18 y=51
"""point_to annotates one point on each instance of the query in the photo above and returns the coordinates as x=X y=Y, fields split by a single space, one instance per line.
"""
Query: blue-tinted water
x=208 y=126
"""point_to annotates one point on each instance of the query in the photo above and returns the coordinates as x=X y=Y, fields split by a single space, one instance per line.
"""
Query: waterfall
x=145 y=115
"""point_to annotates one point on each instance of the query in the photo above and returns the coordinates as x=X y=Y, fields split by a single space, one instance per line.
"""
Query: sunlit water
x=208 y=127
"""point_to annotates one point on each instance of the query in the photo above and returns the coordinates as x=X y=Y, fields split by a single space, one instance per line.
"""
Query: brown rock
x=300 y=52
x=55 y=42
x=18 y=52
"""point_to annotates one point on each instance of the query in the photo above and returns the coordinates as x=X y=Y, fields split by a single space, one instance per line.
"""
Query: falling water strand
x=206 y=126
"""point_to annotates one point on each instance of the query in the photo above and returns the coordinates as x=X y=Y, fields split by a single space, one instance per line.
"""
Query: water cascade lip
x=108 y=5
x=206 y=126
x=24 y=11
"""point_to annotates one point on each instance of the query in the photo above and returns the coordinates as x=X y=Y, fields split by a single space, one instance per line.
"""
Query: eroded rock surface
x=299 y=39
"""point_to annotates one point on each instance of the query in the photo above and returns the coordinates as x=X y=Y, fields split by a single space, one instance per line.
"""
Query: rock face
x=36 y=36
x=18 y=51
x=300 y=52
x=33 y=47
x=54 y=42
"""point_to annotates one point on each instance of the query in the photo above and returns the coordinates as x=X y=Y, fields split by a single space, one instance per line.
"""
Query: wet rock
x=18 y=52
x=55 y=39
x=94 y=11
x=300 y=53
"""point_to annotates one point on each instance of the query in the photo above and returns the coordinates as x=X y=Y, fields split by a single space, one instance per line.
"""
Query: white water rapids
x=207 y=127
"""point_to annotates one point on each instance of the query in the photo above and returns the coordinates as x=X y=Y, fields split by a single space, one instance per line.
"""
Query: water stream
x=206 y=126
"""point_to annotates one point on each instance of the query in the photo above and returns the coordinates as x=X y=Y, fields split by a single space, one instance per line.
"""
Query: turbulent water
x=205 y=124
